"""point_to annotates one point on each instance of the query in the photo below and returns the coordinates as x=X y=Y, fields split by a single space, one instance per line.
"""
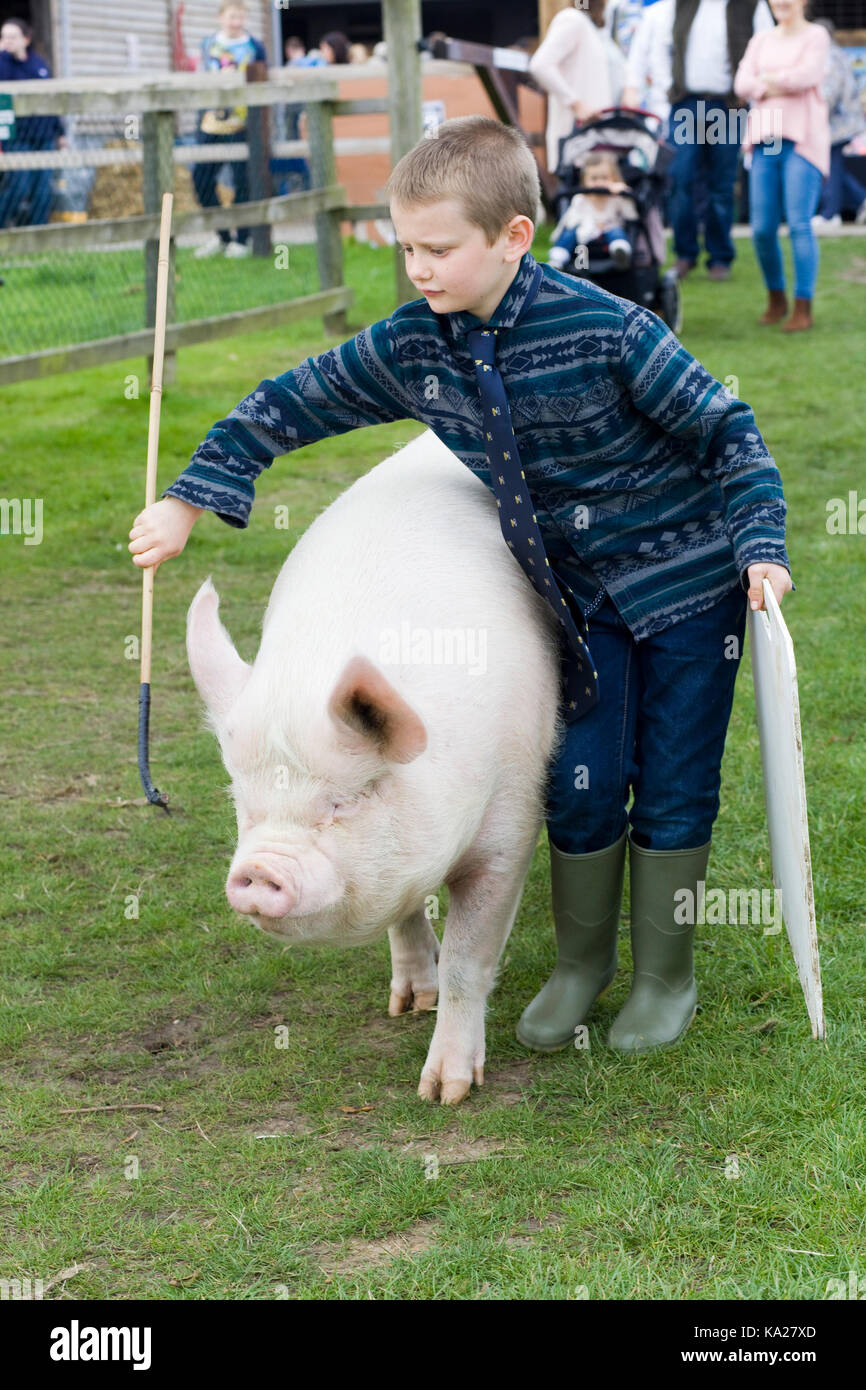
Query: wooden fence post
x=323 y=171
x=402 y=33
x=157 y=134
x=259 y=168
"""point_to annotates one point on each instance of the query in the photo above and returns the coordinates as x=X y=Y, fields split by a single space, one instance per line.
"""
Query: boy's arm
x=671 y=387
x=345 y=388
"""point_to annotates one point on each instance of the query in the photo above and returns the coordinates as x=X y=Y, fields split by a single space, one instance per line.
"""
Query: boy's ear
x=521 y=230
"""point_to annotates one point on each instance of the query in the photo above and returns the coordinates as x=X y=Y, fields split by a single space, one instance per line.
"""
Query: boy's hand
x=780 y=582
x=161 y=531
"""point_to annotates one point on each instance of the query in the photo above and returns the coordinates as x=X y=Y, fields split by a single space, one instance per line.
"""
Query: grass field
x=61 y=298
x=731 y=1166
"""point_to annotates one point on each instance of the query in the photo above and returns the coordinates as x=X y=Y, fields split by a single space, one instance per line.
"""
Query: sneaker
x=236 y=249
x=821 y=225
x=620 y=253
x=860 y=217
x=214 y=246
x=719 y=271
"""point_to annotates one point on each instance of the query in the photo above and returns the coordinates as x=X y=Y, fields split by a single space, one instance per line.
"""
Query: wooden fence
x=155 y=104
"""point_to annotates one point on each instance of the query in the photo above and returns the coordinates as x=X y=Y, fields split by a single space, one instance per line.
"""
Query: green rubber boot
x=663 y=995
x=587 y=891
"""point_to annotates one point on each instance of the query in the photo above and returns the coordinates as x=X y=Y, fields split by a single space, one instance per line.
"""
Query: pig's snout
x=256 y=887
x=269 y=885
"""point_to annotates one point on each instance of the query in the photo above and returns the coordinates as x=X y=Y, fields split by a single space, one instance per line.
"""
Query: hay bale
x=117 y=189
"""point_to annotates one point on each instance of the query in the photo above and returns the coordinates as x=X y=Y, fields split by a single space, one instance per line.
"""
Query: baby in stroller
x=596 y=216
x=613 y=172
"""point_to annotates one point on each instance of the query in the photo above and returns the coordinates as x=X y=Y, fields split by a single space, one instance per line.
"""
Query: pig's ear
x=367 y=709
x=219 y=673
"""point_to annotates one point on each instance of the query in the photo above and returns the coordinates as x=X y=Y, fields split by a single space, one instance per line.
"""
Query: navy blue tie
x=520 y=526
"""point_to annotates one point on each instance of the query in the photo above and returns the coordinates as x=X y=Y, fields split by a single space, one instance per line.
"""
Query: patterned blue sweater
x=649 y=479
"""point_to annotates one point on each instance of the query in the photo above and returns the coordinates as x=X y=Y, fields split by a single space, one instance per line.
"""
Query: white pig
x=393 y=734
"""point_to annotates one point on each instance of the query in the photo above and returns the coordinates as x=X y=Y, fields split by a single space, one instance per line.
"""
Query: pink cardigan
x=797 y=64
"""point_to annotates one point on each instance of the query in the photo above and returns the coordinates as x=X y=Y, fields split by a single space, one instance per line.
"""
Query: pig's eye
x=341 y=810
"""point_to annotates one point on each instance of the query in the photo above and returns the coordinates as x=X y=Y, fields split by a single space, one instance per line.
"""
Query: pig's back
x=410 y=552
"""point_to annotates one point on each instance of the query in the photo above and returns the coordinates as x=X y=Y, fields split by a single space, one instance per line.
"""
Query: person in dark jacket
x=707 y=41
x=25 y=194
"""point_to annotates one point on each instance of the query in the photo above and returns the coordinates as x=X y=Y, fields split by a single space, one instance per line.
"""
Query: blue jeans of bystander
x=786 y=185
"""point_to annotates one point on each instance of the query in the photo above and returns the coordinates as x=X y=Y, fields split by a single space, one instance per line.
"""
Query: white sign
x=778 y=714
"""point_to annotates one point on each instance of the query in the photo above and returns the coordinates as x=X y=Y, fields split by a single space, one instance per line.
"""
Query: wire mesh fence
x=74 y=194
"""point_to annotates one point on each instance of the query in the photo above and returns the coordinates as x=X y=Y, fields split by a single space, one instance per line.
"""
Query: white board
x=778 y=714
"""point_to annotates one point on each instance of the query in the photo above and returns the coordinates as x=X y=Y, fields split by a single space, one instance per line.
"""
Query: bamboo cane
x=158 y=798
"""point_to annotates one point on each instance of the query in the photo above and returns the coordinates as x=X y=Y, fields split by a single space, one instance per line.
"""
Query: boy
x=657 y=506
x=230 y=47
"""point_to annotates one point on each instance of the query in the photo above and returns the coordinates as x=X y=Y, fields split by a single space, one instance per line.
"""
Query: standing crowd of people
x=26 y=194
x=726 y=78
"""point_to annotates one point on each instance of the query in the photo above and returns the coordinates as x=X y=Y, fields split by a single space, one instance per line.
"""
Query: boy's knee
x=577 y=835
x=673 y=835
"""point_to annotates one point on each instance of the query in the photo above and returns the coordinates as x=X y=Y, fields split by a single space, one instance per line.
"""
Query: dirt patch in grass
x=280 y=1126
x=357 y=1255
x=856 y=271
x=511 y=1084
x=448 y=1150
x=386 y=1029
x=174 y=1033
x=178 y=1047
x=534 y=1227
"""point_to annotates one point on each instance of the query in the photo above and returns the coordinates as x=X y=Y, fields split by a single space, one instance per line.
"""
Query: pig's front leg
x=414 y=953
x=484 y=905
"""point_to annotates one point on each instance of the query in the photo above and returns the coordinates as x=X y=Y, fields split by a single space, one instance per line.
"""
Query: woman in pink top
x=571 y=65
x=789 y=134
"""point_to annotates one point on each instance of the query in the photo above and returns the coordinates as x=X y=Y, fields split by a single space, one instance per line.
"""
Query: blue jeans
x=204 y=178
x=840 y=186
x=567 y=241
x=785 y=185
x=659 y=729
x=713 y=163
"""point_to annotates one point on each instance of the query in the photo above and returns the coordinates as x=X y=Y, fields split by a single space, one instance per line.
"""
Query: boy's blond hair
x=485 y=165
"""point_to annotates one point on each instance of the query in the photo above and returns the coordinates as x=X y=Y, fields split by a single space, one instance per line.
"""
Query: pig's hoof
x=451 y=1092
x=402 y=1001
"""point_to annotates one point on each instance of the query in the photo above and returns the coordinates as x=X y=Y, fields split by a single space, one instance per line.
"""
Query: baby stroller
x=631 y=138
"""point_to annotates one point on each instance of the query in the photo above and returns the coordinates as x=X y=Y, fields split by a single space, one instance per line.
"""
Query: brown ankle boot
x=801 y=317
x=777 y=307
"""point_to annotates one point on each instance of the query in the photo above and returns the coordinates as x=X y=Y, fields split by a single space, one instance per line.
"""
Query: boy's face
x=233 y=20
x=449 y=261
